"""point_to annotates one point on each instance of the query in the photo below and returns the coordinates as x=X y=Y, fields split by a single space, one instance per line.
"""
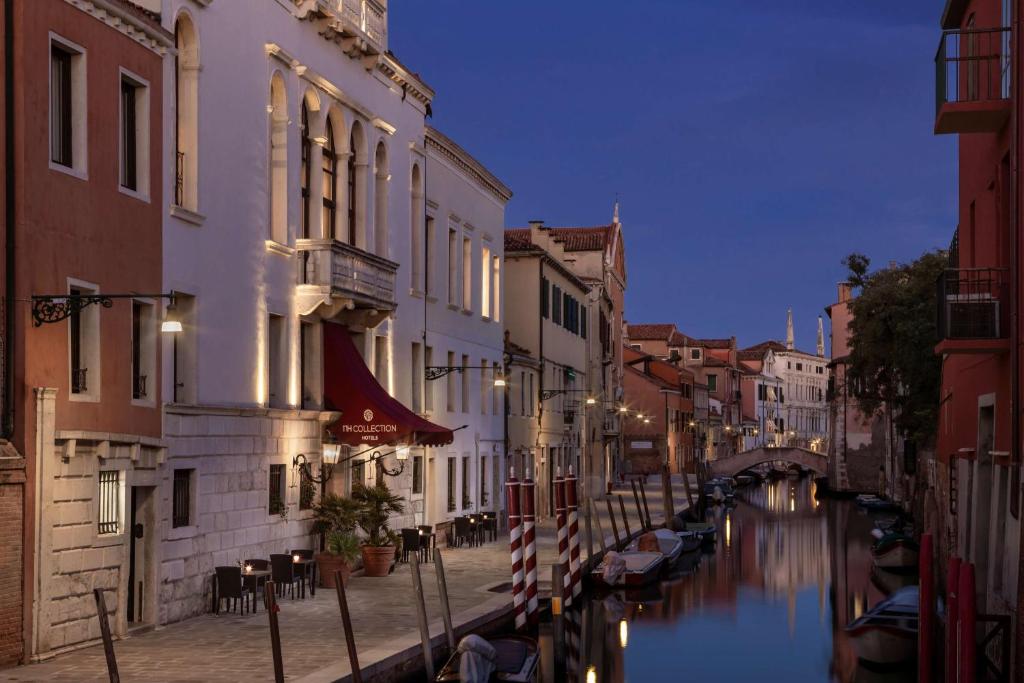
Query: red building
x=83 y=208
x=659 y=428
x=974 y=502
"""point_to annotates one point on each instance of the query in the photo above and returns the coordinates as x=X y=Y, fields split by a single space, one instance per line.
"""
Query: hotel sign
x=369 y=430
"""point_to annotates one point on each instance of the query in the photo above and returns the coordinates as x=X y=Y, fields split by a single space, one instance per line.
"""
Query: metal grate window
x=109 y=502
x=417 y=474
x=182 y=503
x=451 y=484
x=129 y=150
x=276 y=489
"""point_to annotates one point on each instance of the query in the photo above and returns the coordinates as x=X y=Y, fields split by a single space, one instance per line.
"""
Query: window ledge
x=452 y=307
x=485 y=318
x=108 y=540
x=84 y=398
x=178 y=533
x=466 y=311
x=79 y=173
x=134 y=194
x=431 y=299
x=144 y=403
x=275 y=247
x=415 y=293
x=187 y=215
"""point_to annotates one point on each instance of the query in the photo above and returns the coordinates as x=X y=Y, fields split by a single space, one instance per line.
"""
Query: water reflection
x=768 y=602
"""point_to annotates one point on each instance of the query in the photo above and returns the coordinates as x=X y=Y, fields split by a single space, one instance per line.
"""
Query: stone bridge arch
x=732 y=465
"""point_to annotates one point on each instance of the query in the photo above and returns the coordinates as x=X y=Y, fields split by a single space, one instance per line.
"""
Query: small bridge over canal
x=732 y=465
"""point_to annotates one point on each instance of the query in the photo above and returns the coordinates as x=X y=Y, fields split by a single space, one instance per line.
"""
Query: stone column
x=46 y=399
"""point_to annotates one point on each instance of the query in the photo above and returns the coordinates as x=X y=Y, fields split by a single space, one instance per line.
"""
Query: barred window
x=451 y=484
x=182 y=502
x=417 y=474
x=60 y=106
x=276 y=489
x=109 y=502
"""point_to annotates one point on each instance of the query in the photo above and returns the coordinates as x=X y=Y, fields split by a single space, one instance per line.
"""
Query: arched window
x=380 y=203
x=186 y=109
x=330 y=168
x=352 y=184
x=278 y=176
x=416 y=229
x=304 y=172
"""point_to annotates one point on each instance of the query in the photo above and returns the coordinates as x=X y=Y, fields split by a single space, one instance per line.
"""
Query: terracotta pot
x=377 y=560
x=327 y=564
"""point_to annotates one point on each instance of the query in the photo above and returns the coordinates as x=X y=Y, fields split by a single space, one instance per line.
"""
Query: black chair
x=229 y=587
x=425 y=539
x=462 y=531
x=490 y=525
x=282 y=572
x=410 y=543
x=305 y=570
x=476 y=529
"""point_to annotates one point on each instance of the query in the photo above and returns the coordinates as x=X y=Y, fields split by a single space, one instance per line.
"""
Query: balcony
x=972 y=81
x=337 y=277
x=973 y=311
x=612 y=423
x=359 y=26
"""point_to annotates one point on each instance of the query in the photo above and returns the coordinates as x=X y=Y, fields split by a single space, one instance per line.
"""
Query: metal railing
x=972 y=65
x=368 y=16
x=78 y=380
x=139 y=387
x=954 y=250
x=994 y=648
x=348 y=270
x=972 y=303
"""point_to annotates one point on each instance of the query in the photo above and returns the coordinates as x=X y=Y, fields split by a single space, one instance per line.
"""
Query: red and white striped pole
x=563 y=538
x=516 y=548
x=572 y=507
x=530 y=549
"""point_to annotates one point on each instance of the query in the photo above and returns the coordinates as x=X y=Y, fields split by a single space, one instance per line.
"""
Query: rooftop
x=572 y=238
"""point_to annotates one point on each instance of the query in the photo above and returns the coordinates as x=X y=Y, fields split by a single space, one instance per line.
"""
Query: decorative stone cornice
x=447 y=149
x=135 y=25
x=410 y=84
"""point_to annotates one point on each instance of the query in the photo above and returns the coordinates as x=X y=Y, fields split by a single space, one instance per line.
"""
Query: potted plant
x=335 y=518
x=376 y=505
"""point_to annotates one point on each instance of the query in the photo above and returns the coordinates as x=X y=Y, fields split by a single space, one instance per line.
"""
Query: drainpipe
x=1015 y=277
x=7 y=427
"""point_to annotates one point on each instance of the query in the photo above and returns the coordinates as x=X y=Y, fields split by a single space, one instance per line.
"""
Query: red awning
x=369 y=415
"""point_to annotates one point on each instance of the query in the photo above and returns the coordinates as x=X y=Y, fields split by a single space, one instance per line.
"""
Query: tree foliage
x=893 y=334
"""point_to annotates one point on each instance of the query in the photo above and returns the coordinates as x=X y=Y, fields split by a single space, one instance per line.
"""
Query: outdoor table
x=431 y=543
x=309 y=567
x=251 y=577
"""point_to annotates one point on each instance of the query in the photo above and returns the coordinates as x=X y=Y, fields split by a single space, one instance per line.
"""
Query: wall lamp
x=432 y=372
x=52 y=308
x=545 y=394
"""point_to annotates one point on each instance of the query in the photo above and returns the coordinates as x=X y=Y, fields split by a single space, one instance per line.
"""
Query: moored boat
x=669 y=544
x=705 y=530
x=628 y=569
x=512 y=659
x=870 y=501
x=691 y=540
x=895 y=551
x=887 y=633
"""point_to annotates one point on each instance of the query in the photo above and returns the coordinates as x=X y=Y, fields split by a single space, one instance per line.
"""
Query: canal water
x=767 y=603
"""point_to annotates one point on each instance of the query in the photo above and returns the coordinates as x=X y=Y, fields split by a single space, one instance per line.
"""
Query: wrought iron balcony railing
x=139 y=390
x=972 y=303
x=972 y=80
x=78 y=380
x=367 y=279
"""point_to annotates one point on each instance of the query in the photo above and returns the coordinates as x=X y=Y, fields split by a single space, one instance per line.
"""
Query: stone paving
x=232 y=647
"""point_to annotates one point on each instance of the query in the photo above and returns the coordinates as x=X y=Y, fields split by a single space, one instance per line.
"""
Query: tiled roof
x=711 y=361
x=680 y=339
x=715 y=343
x=572 y=238
x=651 y=331
x=756 y=352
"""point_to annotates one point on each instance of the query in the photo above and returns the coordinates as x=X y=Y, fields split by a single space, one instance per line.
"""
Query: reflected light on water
x=728 y=530
x=623 y=633
x=591 y=674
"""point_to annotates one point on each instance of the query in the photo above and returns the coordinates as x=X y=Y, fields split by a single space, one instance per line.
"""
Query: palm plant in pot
x=376 y=505
x=335 y=517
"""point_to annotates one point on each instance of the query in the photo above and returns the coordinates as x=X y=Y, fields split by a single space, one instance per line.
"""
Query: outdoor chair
x=411 y=543
x=476 y=528
x=282 y=573
x=490 y=525
x=305 y=571
x=229 y=587
x=462 y=531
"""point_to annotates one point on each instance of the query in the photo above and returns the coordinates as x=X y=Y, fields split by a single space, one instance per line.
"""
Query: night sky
x=752 y=144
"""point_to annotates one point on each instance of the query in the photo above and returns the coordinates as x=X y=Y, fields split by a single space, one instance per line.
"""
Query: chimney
x=845 y=292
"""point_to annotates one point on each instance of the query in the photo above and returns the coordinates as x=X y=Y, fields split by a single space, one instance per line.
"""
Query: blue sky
x=752 y=144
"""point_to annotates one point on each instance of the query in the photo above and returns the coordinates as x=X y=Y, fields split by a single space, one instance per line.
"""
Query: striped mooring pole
x=572 y=507
x=530 y=549
x=562 y=523
x=515 y=532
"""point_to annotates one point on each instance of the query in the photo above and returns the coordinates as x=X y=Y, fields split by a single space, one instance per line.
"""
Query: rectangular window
x=129 y=136
x=275 y=490
x=694 y=354
x=496 y=288
x=484 y=385
x=138 y=379
x=556 y=305
x=309 y=366
x=143 y=350
x=417 y=474
x=417 y=378
x=359 y=472
x=450 y=383
x=428 y=389
x=467 y=274
x=276 y=361
x=464 y=379
x=712 y=382
x=380 y=361
x=453 y=265
x=451 y=484
x=485 y=282
x=522 y=392
x=428 y=247
x=79 y=373
x=61 y=145
x=545 y=298
x=467 y=502
x=533 y=398
x=183 y=345
x=583 y=322
x=495 y=405
x=109 y=497
x=483 y=481
x=84 y=348
x=181 y=502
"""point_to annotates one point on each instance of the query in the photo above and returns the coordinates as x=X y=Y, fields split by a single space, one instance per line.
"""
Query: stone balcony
x=337 y=277
x=360 y=27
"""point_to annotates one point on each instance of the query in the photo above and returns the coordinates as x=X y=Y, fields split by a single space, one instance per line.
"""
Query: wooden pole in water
x=346 y=623
x=639 y=512
x=925 y=631
x=557 y=619
x=275 y=631
x=421 y=618
x=625 y=522
x=600 y=529
x=666 y=492
x=952 y=620
x=968 y=620
x=108 y=643
x=615 y=527
x=643 y=496
x=442 y=591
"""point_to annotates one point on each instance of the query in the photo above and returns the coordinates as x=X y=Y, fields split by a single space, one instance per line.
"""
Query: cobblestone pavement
x=232 y=647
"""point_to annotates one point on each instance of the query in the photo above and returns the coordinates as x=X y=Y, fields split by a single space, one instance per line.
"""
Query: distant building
x=659 y=425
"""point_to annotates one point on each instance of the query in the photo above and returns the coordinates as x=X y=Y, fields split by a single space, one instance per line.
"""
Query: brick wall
x=11 y=511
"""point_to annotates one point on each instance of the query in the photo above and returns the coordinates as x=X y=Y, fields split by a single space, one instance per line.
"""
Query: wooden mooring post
x=275 y=632
x=421 y=618
x=615 y=527
x=625 y=522
x=442 y=592
x=643 y=496
x=639 y=512
x=600 y=529
x=108 y=642
x=558 y=620
x=346 y=622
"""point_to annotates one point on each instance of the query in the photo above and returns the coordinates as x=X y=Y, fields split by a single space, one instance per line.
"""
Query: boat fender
x=476 y=659
x=612 y=568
